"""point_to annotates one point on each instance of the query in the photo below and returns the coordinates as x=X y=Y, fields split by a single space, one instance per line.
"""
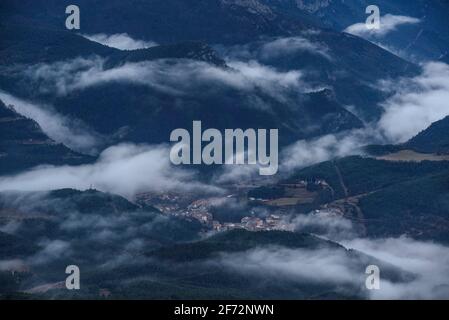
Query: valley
x=92 y=123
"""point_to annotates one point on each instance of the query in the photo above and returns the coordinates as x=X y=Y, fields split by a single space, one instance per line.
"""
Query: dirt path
x=340 y=178
x=353 y=202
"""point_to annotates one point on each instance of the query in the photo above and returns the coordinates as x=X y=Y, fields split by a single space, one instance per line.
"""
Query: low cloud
x=388 y=24
x=416 y=103
x=236 y=173
x=175 y=76
x=423 y=266
x=14 y=264
x=276 y=48
x=304 y=153
x=61 y=129
x=324 y=223
x=122 y=41
x=326 y=266
x=71 y=227
x=124 y=169
x=50 y=250
x=10 y=227
x=409 y=269
x=428 y=260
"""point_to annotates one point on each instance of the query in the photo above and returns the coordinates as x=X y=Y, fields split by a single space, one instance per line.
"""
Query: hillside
x=134 y=252
x=92 y=110
x=223 y=21
x=434 y=139
x=156 y=95
x=23 y=145
x=431 y=142
x=426 y=40
x=388 y=198
x=338 y=62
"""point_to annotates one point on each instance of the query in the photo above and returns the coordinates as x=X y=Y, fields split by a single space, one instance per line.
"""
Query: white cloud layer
x=178 y=76
x=60 y=128
x=424 y=265
x=304 y=153
x=388 y=23
x=124 y=169
x=325 y=266
x=276 y=48
x=324 y=223
x=122 y=41
x=417 y=103
x=428 y=261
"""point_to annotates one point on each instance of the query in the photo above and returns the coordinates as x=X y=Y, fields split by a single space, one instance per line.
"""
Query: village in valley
x=276 y=210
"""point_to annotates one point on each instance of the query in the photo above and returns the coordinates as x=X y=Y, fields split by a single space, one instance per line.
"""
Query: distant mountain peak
x=193 y=50
x=252 y=6
x=312 y=5
x=203 y=52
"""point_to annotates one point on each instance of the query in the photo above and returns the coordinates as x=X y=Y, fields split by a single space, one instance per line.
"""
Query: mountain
x=271 y=64
x=392 y=202
x=136 y=252
x=24 y=44
x=426 y=40
x=211 y=21
x=157 y=108
x=197 y=51
x=347 y=64
x=89 y=229
x=434 y=139
x=337 y=72
x=233 y=244
x=406 y=177
x=23 y=145
x=240 y=241
x=28 y=44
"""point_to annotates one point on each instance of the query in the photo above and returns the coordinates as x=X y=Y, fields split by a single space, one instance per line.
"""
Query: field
x=412 y=156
